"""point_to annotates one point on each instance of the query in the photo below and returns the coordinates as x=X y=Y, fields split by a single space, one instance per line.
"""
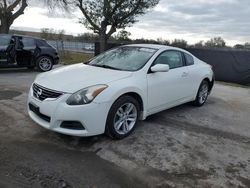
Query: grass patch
x=69 y=58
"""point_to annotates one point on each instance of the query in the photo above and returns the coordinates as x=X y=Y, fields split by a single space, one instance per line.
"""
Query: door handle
x=184 y=74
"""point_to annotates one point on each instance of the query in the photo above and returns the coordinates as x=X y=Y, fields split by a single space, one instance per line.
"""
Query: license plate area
x=35 y=109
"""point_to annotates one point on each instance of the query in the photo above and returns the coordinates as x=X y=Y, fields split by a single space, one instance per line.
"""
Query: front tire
x=44 y=64
x=202 y=94
x=122 y=118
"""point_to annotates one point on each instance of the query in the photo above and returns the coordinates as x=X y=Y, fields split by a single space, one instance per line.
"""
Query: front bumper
x=56 y=111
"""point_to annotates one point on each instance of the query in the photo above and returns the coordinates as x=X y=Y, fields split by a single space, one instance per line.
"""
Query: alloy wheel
x=45 y=64
x=203 y=93
x=125 y=118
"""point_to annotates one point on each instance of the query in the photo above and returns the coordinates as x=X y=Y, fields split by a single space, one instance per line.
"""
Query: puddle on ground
x=9 y=94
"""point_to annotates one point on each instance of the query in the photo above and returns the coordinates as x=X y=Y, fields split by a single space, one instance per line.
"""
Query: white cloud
x=192 y=20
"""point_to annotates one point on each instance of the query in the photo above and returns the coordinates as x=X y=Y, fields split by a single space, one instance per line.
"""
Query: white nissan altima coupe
x=110 y=93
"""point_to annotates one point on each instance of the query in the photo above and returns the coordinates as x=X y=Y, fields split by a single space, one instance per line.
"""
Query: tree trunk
x=5 y=26
x=103 y=42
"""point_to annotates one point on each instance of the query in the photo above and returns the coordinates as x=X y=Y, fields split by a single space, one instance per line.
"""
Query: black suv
x=23 y=51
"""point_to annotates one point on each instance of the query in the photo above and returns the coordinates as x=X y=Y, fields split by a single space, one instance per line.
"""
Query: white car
x=114 y=90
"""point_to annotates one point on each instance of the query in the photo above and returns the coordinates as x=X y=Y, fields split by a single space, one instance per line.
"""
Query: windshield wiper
x=106 y=67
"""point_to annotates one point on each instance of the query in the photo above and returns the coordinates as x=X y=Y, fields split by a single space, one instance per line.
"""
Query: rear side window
x=172 y=58
x=189 y=59
x=28 y=42
x=43 y=43
x=5 y=40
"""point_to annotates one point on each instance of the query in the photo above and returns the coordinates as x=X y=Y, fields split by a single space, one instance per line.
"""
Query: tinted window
x=172 y=58
x=28 y=43
x=189 y=59
x=4 y=40
x=43 y=43
x=128 y=58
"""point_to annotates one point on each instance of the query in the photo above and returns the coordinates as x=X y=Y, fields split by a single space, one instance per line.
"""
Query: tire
x=123 y=109
x=44 y=63
x=202 y=94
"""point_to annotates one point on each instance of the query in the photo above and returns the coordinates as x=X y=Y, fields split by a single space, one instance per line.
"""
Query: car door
x=25 y=50
x=167 y=89
x=193 y=79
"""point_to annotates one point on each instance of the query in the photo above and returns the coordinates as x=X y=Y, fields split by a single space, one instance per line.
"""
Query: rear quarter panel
x=199 y=71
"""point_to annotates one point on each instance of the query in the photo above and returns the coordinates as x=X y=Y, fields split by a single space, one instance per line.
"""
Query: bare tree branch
x=80 y=5
x=20 y=11
x=13 y=5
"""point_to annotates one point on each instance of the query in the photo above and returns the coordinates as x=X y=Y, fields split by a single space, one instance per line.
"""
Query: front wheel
x=44 y=64
x=122 y=118
x=202 y=94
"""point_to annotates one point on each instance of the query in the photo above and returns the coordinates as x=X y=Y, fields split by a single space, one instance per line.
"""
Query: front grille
x=42 y=93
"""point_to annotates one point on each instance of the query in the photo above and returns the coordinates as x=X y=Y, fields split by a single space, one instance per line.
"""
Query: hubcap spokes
x=203 y=94
x=45 y=64
x=125 y=118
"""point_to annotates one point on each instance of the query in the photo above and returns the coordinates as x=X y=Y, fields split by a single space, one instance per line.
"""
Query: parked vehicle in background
x=117 y=88
x=24 y=51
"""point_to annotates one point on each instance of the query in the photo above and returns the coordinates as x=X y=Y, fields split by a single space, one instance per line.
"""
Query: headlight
x=86 y=95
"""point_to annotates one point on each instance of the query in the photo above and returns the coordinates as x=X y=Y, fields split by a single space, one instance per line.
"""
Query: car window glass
x=172 y=58
x=126 y=58
x=5 y=40
x=189 y=59
x=28 y=43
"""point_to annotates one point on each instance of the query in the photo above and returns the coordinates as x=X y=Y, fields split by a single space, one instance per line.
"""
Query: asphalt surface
x=181 y=147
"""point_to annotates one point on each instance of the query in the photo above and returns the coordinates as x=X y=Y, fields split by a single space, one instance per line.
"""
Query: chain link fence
x=63 y=46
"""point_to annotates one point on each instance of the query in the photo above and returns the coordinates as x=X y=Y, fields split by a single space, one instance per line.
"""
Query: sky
x=192 y=20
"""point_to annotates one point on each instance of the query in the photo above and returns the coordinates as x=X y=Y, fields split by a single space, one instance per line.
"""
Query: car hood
x=75 y=77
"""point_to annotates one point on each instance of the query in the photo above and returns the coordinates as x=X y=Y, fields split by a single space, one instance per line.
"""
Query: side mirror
x=160 y=68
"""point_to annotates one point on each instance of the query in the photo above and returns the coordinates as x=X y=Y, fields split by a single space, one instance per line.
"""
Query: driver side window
x=172 y=58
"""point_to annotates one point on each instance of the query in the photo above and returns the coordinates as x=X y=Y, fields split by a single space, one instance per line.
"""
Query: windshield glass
x=125 y=58
x=4 y=40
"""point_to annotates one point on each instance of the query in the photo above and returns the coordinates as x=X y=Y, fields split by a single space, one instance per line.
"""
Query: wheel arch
x=137 y=97
x=210 y=82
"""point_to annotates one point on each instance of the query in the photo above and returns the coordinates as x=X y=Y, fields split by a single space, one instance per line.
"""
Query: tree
x=48 y=34
x=123 y=35
x=61 y=34
x=216 y=42
x=247 y=45
x=162 y=41
x=9 y=11
x=239 y=46
x=104 y=17
x=199 y=44
x=179 y=43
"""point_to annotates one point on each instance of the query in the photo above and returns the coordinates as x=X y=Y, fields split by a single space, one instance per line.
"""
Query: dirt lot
x=181 y=147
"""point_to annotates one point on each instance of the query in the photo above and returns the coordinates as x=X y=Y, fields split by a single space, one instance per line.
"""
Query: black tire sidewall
x=197 y=101
x=38 y=65
x=110 y=130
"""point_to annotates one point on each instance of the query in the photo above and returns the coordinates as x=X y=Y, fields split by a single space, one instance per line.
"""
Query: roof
x=155 y=46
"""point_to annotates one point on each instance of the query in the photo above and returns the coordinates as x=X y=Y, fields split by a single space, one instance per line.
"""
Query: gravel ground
x=181 y=147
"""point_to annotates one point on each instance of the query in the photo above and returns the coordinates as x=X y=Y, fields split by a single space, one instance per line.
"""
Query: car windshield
x=4 y=40
x=125 y=58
